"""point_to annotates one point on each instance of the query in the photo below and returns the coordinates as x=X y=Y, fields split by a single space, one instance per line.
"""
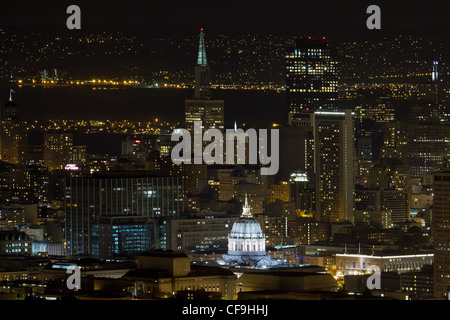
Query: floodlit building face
x=355 y=264
x=195 y=235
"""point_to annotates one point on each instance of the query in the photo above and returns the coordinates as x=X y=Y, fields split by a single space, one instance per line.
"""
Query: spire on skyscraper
x=201 y=59
x=202 y=76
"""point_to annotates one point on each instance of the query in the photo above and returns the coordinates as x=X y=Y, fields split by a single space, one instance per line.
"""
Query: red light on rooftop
x=323 y=38
x=309 y=38
x=201 y=29
x=137 y=141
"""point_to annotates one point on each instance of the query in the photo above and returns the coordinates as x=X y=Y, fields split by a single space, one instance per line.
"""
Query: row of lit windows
x=16 y=245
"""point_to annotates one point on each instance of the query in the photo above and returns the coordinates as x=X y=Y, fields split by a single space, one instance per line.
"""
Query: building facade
x=357 y=264
x=441 y=233
x=12 y=134
x=311 y=76
x=334 y=156
x=57 y=150
x=201 y=108
x=116 y=194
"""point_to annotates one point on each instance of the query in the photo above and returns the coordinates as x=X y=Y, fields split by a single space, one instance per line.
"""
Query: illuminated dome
x=247 y=228
x=247 y=243
x=246 y=236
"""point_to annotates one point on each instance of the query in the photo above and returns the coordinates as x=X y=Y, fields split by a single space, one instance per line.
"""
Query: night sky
x=335 y=18
x=338 y=20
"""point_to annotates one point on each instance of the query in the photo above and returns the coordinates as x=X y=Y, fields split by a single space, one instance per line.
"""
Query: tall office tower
x=311 y=77
x=395 y=138
x=426 y=142
x=296 y=149
x=388 y=173
x=297 y=161
x=58 y=149
x=12 y=134
x=116 y=194
x=78 y=156
x=441 y=233
x=334 y=165
x=374 y=104
x=201 y=108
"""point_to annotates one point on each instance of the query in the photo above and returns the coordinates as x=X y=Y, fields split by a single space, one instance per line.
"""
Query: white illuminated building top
x=247 y=242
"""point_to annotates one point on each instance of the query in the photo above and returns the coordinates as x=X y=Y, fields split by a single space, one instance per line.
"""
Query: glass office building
x=311 y=76
x=118 y=236
x=116 y=194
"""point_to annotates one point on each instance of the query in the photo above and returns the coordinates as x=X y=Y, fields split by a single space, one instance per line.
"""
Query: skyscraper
x=57 y=150
x=311 y=78
x=111 y=195
x=334 y=156
x=441 y=233
x=202 y=72
x=296 y=150
x=12 y=133
x=201 y=108
x=426 y=142
x=395 y=141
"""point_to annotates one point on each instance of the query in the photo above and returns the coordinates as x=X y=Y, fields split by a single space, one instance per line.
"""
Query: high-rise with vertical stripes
x=135 y=195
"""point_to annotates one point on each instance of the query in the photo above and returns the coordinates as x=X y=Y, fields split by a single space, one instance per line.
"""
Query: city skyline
x=315 y=153
x=380 y=66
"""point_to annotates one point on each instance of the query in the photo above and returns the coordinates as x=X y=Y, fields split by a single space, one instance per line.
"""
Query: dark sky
x=317 y=16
